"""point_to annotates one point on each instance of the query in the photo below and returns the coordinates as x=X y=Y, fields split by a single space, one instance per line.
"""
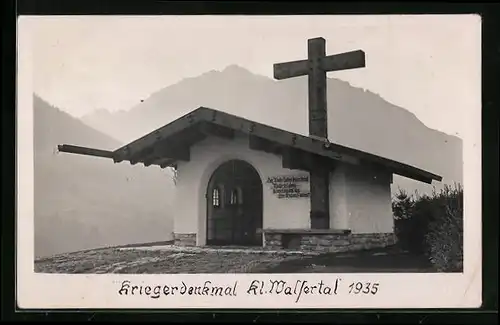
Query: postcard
x=328 y=161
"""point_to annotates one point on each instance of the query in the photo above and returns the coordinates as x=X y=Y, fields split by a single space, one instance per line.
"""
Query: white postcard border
x=56 y=291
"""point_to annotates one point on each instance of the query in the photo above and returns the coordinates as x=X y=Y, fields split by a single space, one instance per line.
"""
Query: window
x=236 y=196
x=216 y=197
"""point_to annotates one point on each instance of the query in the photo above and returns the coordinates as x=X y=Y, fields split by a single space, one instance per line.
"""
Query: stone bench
x=324 y=240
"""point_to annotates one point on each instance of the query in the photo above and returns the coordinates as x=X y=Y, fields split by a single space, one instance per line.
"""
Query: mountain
x=357 y=118
x=86 y=202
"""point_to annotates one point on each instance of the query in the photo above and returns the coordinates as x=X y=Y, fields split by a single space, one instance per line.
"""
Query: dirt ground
x=175 y=260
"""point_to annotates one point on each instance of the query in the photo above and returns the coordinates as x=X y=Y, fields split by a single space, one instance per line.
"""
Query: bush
x=409 y=229
x=444 y=238
x=432 y=225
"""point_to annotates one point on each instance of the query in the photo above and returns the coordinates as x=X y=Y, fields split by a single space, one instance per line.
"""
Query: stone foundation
x=326 y=240
x=185 y=239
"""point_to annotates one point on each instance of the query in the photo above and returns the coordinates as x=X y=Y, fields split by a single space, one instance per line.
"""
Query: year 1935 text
x=366 y=288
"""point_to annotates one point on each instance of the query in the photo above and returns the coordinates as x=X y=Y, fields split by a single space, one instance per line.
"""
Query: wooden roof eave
x=225 y=120
x=204 y=117
x=324 y=148
x=149 y=140
x=86 y=151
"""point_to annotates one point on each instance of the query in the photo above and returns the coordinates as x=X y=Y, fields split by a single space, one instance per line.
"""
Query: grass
x=137 y=261
x=383 y=260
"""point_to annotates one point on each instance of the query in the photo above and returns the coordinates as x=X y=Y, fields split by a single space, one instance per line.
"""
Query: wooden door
x=234 y=210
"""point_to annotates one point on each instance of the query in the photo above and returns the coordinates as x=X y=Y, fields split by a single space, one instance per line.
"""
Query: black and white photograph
x=249 y=161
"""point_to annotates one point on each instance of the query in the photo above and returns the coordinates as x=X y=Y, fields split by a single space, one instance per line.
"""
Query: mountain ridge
x=358 y=118
x=42 y=125
x=235 y=67
x=87 y=202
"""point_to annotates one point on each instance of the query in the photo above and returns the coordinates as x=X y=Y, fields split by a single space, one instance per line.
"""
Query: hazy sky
x=429 y=65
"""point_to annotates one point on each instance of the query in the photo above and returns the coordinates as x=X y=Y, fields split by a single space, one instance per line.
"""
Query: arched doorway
x=234 y=205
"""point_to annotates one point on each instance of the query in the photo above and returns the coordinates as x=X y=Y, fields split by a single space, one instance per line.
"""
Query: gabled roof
x=170 y=144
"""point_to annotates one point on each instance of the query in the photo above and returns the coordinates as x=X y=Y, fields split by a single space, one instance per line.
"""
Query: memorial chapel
x=243 y=183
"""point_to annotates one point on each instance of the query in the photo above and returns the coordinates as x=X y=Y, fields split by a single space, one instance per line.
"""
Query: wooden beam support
x=256 y=143
x=182 y=138
x=167 y=131
x=319 y=180
x=261 y=144
x=165 y=162
x=175 y=147
x=293 y=158
x=169 y=152
x=85 y=151
x=281 y=137
x=211 y=129
x=148 y=163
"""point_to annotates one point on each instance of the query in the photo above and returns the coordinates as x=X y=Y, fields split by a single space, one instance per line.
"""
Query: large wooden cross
x=315 y=67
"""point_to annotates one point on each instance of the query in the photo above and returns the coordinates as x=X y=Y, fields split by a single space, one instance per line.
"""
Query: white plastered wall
x=360 y=200
x=206 y=156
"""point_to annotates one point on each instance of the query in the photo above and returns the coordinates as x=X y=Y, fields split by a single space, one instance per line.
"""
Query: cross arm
x=344 y=61
x=291 y=69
